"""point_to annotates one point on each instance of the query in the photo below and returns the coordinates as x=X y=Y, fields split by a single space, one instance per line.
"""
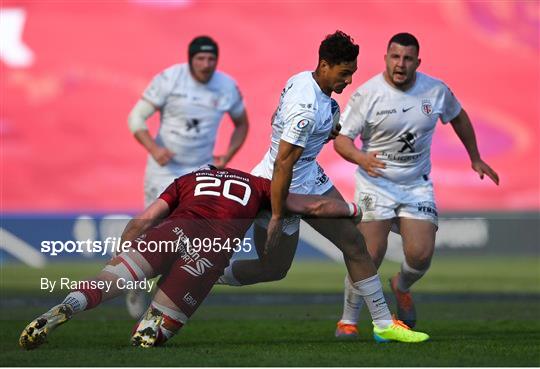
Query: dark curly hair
x=337 y=48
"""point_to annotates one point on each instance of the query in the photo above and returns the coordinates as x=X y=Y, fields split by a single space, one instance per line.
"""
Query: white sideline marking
x=21 y=250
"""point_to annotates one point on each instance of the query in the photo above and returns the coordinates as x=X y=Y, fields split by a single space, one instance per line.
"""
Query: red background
x=65 y=145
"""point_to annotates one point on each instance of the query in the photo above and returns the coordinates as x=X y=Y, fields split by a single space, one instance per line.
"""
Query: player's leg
x=418 y=246
x=130 y=266
x=365 y=280
x=376 y=237
x=418 y=221
x=271 y=267
x=181 y=291
x=376 y=199
x=156 y=179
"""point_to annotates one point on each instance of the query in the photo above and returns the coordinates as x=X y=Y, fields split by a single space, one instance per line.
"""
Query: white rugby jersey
x=303 y=118
x=399 y=124
x=191 y=112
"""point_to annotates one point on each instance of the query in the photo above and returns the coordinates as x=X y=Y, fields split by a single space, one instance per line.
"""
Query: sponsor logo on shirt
x=408 y=140
x=387 y=112
x=192 y=124
x=397 y=157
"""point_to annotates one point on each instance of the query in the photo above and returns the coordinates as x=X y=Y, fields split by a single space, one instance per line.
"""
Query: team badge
x=302 y=123
x=367 y=201
x=427 y=108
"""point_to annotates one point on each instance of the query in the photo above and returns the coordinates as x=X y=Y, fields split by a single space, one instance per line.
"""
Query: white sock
x=352 y=303
x=408 y=276
x=228 y=277
x=371 y=290
x=77 y=301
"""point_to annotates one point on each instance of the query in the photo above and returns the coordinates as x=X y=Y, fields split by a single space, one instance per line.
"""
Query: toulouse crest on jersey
x=427 y=108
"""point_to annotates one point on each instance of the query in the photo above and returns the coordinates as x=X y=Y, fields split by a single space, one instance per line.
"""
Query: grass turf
x=494 y=330
x=292 y=335
x=474 y=274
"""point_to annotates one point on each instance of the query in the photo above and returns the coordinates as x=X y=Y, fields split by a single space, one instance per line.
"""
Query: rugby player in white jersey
x=395 y=113
x=192 y=99
x=301 y=125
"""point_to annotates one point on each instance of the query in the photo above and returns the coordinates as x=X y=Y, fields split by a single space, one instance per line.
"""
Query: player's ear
x=419 y=61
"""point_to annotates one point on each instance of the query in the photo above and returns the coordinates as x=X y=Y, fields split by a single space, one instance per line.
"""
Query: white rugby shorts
x=382 y=199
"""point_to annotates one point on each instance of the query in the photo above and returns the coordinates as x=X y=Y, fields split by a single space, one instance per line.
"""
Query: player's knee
x=275 y=273
x=377 y=256
x=420 y=261
x=354 y=247
x=123 y=266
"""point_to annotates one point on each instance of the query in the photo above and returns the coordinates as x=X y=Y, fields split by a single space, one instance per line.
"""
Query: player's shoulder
x=367 y=89
x=170 y=74
x=375 y=83
x=301 y=88
x=224 y=80
x=174 y=70
x=429 y=81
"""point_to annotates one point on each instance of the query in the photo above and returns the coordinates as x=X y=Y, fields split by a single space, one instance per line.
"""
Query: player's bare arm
x=320 y=206
x=288 y=154
x=143 y=110
x=345 y=147
x=158 y=210
x=463 y=127
x=241 y=127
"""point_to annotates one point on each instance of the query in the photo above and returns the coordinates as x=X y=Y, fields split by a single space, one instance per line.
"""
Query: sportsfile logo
x=201 y=265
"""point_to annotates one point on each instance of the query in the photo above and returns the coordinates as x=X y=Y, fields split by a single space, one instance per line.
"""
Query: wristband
x=353 y=209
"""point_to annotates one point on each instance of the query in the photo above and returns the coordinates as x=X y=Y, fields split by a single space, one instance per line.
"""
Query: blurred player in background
x=302 y=124
x=192 y=99
x=208 y=204
x=395 y=113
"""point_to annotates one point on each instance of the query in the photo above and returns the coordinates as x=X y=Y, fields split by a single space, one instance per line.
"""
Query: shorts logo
x=367 y=201
x=303 y=123
x=427 y=207
x=427 y=108
x=201 y=265
x=190 y=300
x=322 y=178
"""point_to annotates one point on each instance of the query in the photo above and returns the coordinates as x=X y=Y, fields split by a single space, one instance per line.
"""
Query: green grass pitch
x=478 y=311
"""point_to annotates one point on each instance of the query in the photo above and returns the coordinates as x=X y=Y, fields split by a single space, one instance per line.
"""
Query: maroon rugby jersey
x=221 y=203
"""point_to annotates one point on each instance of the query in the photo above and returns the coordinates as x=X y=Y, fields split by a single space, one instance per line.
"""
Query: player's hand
x=371 y=164
x=220 y=161
x=274 y=232
x=162 y=155
x=480 y=167
x=334 y=133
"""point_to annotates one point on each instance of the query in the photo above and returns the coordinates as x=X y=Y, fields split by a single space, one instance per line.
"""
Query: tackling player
x=395 y=113
x=208 y=204
x=192 y=99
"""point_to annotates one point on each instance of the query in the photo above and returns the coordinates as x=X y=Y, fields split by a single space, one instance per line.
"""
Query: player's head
x=402 y=60
x=203 y=56
x=337 y=62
